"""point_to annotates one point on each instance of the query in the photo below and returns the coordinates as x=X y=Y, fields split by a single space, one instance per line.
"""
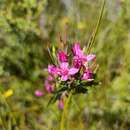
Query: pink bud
x=60 y=104
x=62 y=56
x=49 y=87
x=39 y=93
x=88 y=75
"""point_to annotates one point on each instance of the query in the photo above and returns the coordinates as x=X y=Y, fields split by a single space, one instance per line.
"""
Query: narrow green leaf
x=92 y=38
x=51 y=56
x=54 y=98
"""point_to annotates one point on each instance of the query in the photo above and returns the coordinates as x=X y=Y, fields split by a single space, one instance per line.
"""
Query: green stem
x=92 y=39
x=63 y=117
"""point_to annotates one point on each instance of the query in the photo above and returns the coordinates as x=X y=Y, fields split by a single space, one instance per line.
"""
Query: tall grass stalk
x=92 y=38
x=63 y=116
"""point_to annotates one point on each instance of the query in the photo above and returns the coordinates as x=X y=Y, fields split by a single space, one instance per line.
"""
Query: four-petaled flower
x=80 y=58
x=65 y=72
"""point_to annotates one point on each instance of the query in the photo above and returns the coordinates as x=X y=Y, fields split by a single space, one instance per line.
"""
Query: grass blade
x=92 y=38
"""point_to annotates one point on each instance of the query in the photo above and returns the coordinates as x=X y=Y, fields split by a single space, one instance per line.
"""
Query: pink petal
x=39 y=93
x=73 y=71
x=90 y=57
x=52 y=69
x=64 y=78
x=88 y=75
x=77 y=50
x=64 y=65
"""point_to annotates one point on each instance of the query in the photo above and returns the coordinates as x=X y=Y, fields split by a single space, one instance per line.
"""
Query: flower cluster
x=73 y=72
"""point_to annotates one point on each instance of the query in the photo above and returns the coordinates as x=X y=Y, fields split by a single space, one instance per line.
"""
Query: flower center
x=64 y=72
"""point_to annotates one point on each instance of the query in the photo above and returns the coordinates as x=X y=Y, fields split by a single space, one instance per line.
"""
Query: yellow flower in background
x=64 y=21
x=8 y=93
x=123 y=0
x=81 y=25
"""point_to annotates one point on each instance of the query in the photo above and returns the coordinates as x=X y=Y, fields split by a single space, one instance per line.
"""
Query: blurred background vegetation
x=28 y=27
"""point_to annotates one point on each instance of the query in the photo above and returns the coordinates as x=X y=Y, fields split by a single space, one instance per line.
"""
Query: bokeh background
x=28 y=28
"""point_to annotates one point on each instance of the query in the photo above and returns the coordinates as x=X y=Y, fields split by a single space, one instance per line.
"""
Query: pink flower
x=49 y=87
x=90 y=57
x=88 y=75
x=65 y=71
x=80 y=58
x=60 y=104
x=77 y=50
x=52 y=69
x=39 y=93
x=62 y=56
x=77 y=62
